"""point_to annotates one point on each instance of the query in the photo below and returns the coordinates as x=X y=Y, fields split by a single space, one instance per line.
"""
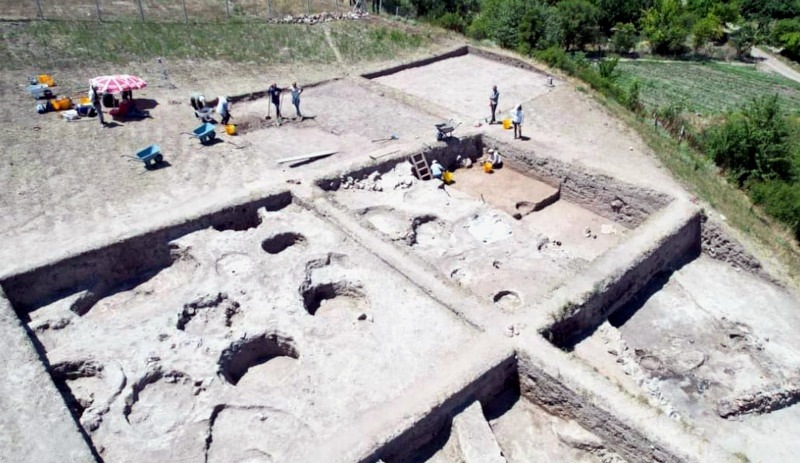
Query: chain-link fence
x=185 y=10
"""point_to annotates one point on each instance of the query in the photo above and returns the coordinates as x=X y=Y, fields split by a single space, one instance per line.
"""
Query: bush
x=743 y=40
x=786 y=34
x=608 y=68
x=451 y=21
x=780 y=200
x=753 y=144
x=624 y=38
x=632 y=99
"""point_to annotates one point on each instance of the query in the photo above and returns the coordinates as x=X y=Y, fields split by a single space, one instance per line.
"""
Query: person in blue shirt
x=436 y=169
x=296 y=91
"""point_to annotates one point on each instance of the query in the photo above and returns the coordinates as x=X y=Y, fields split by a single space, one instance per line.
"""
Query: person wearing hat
x=517 y=118
x=494 y=158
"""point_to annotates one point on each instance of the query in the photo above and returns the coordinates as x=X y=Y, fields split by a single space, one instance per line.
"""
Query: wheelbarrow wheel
x=212 y=136
x=439 y=136
x=158 y=159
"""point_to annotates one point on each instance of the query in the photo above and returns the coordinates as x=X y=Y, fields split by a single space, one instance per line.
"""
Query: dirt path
x=769 y=63
x=328 y=39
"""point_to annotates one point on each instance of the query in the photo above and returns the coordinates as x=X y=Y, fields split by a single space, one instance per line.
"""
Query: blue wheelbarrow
x=149 y=156
x=205 y=133
x=40 y=91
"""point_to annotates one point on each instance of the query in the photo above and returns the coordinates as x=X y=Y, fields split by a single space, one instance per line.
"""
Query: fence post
x=99 y=14
x=141 y=10
x=269 y=12
x=39 y=9
x=308 y=7
x=185 y=14
x=228 y=9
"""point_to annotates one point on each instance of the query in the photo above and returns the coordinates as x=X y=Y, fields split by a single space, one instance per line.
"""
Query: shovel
x=393 y=137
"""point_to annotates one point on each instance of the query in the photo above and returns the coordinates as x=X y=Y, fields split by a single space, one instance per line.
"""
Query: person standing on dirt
x=517 y=118
x=224 y=109
x=94 y=96
x=275 y=96
x=296 y=91
x=493 y=99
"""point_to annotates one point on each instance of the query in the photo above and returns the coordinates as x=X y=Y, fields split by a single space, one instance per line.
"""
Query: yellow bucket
x=85 y=100
x=487 y=167
x=506 y=123
x=230 y=129
x=46 y=80
x=447 y=177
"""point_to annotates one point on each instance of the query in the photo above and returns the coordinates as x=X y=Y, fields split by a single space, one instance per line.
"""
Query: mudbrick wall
x=667 y=240
x=485 y=387
x=719 y=245
x=559 y=400
x=101 y=270
x=615 y=200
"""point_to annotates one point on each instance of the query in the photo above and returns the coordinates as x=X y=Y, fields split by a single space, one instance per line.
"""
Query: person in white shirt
x=517 y=118
x=494 y=158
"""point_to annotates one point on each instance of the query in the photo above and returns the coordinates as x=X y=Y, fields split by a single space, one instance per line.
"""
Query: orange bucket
x=487 y=167
x=506 y=123
x=230 y=129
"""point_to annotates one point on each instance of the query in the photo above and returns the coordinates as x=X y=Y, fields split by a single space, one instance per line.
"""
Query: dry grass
x=166 y=10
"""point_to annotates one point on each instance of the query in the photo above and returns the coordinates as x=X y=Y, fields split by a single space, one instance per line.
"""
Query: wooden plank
x=378 y=156
x=321 y=154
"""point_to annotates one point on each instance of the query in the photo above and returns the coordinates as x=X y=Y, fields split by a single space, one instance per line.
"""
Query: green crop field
x=706 y=88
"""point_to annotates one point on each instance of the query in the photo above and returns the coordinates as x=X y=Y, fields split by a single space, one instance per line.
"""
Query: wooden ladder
x=420 y=163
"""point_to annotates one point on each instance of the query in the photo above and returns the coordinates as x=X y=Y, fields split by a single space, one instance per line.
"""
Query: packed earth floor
x=573 y=305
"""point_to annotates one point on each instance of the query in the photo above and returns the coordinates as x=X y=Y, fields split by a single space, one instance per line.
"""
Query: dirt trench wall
x=460 y=51
x=36 y=424
x=621 y=202
x=504 y=59
x=103 y=268
x=445 y=152
x=719 y=245
x=485 y=387
x=559 y=400
x=667 y=240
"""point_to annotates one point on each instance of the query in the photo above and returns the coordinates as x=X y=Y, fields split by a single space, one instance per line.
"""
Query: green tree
x=743 y=39
x=578 y=20
x=753 y=144
x=666 y=26
x=612 y=12
x=624 y=38
x=706 y=30
x=770 y=9
x=786 y=34
x=539 y=28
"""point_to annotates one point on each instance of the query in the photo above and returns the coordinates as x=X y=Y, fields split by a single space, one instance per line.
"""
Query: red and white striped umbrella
x=118 y=83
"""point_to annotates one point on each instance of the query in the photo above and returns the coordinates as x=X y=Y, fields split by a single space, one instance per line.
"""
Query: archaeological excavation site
x=573 y=305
